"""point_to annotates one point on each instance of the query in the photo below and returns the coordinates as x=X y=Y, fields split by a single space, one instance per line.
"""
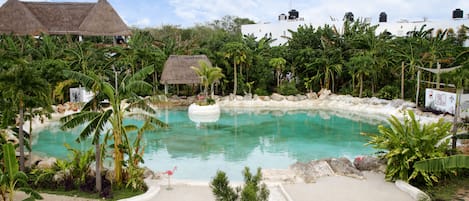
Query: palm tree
x=237 y=52
x=22 y=84
x=361 y=66
x=279 y=65
x=208 y=75
x=128 y=89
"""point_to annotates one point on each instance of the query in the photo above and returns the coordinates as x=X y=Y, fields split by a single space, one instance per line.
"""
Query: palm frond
x=74 y=120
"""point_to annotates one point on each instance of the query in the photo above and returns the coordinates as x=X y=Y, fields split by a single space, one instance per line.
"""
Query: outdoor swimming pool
x=255 y=138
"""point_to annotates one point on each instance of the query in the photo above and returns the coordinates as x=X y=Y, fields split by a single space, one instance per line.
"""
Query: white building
x=80 y=95
x=279 y=30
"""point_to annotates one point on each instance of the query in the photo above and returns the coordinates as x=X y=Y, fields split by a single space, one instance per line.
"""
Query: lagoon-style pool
x=256 y=138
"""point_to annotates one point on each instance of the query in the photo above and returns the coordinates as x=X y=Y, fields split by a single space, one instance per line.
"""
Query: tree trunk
x=235 y=84
x=361 y=85
x=98 y=166
x=21 y=134
x=402 y=81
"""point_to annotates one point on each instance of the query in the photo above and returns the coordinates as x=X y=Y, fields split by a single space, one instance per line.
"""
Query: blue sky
x=187 y=13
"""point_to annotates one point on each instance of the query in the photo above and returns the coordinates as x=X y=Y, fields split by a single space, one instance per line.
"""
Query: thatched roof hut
x=177 y=69
x=60 y=18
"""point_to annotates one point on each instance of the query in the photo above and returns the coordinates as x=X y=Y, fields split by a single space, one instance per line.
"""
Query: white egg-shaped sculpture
x=204 y=113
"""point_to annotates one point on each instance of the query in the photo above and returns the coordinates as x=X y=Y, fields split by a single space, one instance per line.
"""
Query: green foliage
x=11 y=177
x=408 y=142
x=252 y=190
x=388 y=92
x=221 y=188
x=261 y=92
x=443 y=164
x=288 y=88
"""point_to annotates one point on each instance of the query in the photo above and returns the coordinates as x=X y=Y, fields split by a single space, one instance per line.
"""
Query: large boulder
x=301 y=97
x=344 y=167
x=280 y=175
x=277 y=97
x=370 y=163
x=292 y=98
x=312 y=170
x=312 y=95
x=47 y=163
x=265 y=98
x=324 y=93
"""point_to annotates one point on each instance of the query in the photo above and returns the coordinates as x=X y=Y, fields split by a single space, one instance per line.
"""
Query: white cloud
x=144 y=22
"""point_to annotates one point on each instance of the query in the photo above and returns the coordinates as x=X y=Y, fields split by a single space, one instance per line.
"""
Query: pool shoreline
x=344 y=105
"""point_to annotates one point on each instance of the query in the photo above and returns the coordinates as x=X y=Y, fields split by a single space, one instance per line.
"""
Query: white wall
x=80 y=94
x=446 y=101
x=279 y=29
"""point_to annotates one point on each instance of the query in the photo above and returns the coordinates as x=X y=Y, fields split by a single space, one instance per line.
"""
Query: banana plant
x=10 y=176
x=443 y=164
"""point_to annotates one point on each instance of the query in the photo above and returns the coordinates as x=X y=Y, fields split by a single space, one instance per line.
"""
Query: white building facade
x=280 y=29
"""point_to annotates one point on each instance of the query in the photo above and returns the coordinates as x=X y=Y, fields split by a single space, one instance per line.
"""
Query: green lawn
x=117 y=194
x=448 y=188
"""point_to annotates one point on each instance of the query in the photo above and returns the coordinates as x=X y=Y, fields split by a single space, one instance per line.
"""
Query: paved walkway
x=331 y=188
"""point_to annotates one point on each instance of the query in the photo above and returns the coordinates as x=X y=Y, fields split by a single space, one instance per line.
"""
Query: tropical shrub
x=11 y=179
x=287 y=88
x=251 y=191
x=388 y=92
x=408 y=142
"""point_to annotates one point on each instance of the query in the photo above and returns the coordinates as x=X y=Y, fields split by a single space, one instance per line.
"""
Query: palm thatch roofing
x=60 y=18
x=177 y=69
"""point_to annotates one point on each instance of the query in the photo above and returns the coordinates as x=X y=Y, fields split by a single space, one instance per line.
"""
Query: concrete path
x=345 y=188
x=331 y=188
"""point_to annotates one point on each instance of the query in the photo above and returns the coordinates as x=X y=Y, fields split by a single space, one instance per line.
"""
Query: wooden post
x=165 y=89
x=438 y=67
x=418 y=89
x=456 y=117
x=402 y=81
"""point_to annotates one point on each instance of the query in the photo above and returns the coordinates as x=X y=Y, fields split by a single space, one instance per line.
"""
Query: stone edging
x=150 y=194
x=414 y=192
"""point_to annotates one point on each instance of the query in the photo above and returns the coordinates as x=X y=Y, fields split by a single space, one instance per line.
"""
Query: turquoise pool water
x=267 y=139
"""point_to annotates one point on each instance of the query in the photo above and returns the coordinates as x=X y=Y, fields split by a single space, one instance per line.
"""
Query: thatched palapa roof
x=177 y=69
x=89 y=19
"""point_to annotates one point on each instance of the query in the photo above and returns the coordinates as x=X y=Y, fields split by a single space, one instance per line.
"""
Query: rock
x=265 y=98
x=33 y=160
x=312 y=170
x=312 y=95
x=61 y=175
x=343 y=166
x=247 y=97
x=239 y=98
x=370 y=163
x=292 y=98
x=47 y=164
x=277 y=97
x=324 y=93
x=255 y=97
x=300 y=97
x=280 y=175
x=60 y=109
x=149 y=174
x=396 y=103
